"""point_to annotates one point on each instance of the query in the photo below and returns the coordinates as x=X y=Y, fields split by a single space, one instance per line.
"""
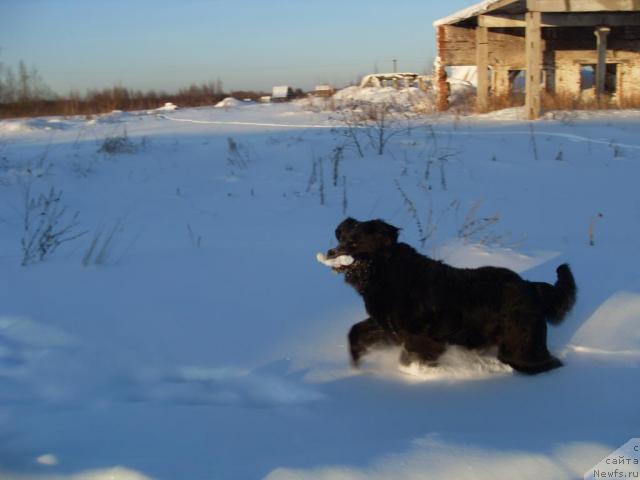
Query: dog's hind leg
x=422 y=349
x=365 y=335
x=524 y=347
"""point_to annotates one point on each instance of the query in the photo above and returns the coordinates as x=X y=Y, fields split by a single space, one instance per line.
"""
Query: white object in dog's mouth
x=337 y=262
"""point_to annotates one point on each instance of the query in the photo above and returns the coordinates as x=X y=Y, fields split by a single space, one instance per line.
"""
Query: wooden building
x=281 y=93
x=557 y=44
x=323 y=91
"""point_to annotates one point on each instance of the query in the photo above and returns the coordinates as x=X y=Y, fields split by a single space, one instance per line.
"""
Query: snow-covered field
x=200 y=339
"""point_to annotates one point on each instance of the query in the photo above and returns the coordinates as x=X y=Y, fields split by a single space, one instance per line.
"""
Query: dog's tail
x=559 y=298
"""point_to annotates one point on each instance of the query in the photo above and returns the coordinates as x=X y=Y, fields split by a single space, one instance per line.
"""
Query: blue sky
x=161 y=44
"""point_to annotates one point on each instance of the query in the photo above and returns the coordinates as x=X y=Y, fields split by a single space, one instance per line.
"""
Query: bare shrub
x=83 y=168
x=101 y=244
x=427 y=230
x=413 y=211
x=566 y=101
x=569 y=101
x=345 y=199
x=316 y=178
x=350 y=129
x=196 y=240
x=438 y=155
x=381 y=124
x=118 y=144
x=336 y=158
x=237 y=154
x=47 y=225
x=532 y=141
x=378 y=122
x=592 y=227
x=501 y=102
x=479 y=229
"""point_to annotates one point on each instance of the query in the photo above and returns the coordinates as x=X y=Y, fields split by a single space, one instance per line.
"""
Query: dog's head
x=362 y=240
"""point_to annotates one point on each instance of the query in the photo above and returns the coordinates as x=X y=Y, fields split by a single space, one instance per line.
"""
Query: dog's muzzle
x=338 y=262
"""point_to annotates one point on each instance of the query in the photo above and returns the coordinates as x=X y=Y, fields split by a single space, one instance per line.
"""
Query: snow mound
x=47 y=459
x=430 y=458
x=167 y=107
x=455 y=364
x=13 y=126
x=115 y=473
x=115 y=116
x=460 y=90
x=229 y=102
x=267 y=387
x=34 y=124
x=505 y=115
x=17 y=330
x=614 y=328
x=404 y=98
x=49 y=124
x=463 y=255
x=464 y=74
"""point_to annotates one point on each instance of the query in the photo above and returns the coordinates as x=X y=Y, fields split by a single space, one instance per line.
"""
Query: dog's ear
x=388 y=232
x=391 y=233
x=345 y=226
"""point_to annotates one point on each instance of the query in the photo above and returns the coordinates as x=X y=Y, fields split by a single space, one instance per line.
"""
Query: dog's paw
x=408 y=358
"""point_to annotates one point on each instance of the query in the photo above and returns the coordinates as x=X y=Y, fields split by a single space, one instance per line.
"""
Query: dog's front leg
x=365 y=335
x=422 y=349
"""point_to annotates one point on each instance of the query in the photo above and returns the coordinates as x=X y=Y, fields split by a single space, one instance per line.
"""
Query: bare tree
x=378 y=122
x=24 y=89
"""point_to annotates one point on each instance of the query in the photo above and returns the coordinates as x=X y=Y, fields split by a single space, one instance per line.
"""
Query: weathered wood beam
x=588 y=19
x=501 y=21
x=533 y=50
x=583 y=5
x=482 y=62
x=553 y=20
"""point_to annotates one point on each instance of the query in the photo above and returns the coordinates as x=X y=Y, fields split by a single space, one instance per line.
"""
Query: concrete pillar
x=533 y=50
x=440 y=74
x=482 y=62
x=601 y=34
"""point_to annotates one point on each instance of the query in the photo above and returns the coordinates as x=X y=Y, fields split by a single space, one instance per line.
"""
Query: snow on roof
x=403 y=99
x=465 y=13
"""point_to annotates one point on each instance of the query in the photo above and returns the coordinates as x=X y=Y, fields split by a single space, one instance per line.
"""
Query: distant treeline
x=116 y=98
x=24 y=94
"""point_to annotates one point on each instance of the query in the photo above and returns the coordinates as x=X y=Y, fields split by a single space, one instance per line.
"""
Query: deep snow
x=209 y=343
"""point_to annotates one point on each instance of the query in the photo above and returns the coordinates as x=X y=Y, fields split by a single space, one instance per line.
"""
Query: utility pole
x=395 y=64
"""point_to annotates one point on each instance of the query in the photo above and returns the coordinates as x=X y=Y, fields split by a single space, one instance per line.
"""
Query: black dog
x=424 y=305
